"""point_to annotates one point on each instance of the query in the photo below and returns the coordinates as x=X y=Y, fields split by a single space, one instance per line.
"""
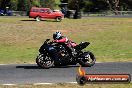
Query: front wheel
x=38 y=18
x=58 y=19
x=44 y=61
x=88 y=59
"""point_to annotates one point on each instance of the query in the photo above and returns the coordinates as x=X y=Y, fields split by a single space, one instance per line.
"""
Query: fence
x=109 y=13
x=19 y=13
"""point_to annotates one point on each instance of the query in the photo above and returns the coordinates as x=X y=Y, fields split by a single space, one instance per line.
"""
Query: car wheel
x=58 y=19
x=38 y=18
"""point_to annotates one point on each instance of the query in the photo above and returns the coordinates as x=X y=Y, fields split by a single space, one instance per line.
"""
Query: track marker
x=43 y=83
x=8 y=84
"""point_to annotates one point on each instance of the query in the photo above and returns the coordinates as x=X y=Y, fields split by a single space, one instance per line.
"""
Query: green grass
x=61 y=85
x=110 y=38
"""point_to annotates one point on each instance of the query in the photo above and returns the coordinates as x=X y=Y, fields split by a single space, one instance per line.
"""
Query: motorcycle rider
x=67 y=43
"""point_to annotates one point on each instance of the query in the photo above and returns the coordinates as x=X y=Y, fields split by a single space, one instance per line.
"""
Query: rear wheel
x=38 y=18
x=88 y=59
x=44 y=61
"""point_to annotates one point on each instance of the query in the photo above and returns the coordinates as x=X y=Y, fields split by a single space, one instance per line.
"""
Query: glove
x=51 y=42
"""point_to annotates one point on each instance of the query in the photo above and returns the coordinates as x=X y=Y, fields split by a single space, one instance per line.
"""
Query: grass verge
x=110 y=38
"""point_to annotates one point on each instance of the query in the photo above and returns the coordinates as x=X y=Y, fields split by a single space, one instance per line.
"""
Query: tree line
x=25 y=5
x=85 y=5
x=102 y=5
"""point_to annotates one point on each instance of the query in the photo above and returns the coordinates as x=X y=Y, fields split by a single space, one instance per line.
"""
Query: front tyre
x=87 y=60
x=58 y=19
x=38 y=18
x=44 y=61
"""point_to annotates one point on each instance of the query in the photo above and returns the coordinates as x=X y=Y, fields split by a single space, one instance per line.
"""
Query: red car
x=39 y=13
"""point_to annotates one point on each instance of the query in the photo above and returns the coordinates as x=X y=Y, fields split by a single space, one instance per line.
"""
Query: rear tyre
x=58 y=19
x=44 y=61
x=88 y=59
x=38 y=18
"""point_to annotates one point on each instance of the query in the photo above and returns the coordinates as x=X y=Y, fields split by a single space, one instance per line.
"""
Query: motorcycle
x=49 y=51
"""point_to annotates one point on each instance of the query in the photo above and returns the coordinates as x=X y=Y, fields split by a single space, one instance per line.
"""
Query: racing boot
x=56 y=59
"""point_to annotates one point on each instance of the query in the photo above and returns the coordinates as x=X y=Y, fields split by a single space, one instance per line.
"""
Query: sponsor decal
x=83 y=78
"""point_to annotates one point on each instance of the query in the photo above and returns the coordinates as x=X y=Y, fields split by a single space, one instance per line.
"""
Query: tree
x=24 y=5
x=0 y=3
x=13 y=4
x=36 y=3
x=114 y=5
x=5 y=3
x=126 y=5
x=64 y=1
x=89 y=5
x=71 y=4
x=20 y=5
x=47 y=3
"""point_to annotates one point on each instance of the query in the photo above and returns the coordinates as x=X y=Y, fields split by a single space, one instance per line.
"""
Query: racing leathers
x=68 y=44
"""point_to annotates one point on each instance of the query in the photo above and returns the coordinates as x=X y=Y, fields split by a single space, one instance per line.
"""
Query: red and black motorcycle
x=52 y=54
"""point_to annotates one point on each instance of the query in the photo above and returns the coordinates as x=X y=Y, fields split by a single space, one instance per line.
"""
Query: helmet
x=56 y=35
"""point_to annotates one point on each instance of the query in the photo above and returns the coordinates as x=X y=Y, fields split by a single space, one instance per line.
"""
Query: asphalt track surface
x=31 y=73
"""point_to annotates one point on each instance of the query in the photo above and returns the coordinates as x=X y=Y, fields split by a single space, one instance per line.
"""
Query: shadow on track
x=29 y=67
x=37 y=67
